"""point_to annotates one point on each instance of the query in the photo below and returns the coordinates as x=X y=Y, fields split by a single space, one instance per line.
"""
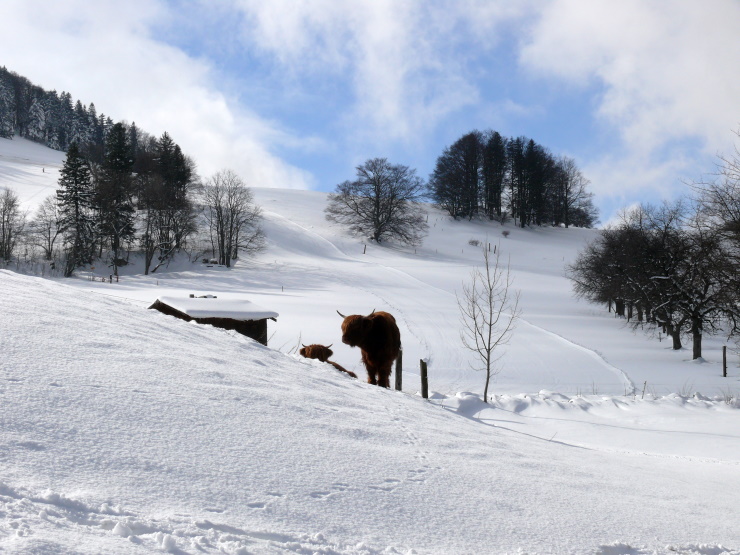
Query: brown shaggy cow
x=323 y=353
x=378 y=338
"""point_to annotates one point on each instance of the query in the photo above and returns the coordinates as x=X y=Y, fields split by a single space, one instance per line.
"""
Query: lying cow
x=322 y=353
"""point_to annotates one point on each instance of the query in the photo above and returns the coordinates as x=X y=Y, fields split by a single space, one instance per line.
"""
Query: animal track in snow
x=336 y=487
x=389 y=484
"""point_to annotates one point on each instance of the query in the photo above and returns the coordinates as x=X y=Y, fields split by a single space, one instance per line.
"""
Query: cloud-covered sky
x=295 y=93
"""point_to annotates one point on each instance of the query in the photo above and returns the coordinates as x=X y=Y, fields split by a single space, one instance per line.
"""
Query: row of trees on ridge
x=674 y=267
x=480 y=175
x=51 y=118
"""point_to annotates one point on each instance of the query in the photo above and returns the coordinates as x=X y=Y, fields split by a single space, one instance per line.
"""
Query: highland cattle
x=322 y=353
x=379 y=340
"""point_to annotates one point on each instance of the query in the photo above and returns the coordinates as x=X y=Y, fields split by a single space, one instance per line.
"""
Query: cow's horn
x=373 y=312
x=302 y=344
x=342 y=315
x=329 y=346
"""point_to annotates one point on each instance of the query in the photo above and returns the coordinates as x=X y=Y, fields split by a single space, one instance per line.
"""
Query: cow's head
x=355 y=328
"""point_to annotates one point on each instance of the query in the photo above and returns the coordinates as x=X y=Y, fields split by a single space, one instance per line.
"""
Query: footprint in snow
x=389 y=484
x=31 y=445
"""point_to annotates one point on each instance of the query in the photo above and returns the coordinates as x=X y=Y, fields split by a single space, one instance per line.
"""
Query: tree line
x=47 y=117
x=479 y=175
x=121 y=190
x=136 y=192
x=673 y=268
x=486 y=174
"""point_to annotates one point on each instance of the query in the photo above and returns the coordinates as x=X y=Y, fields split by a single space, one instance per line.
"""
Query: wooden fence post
x=724 y=361
x=424 y=381
x=399 y=370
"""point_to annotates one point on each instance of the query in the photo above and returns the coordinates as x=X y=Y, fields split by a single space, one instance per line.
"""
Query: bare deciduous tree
x=46 y=228
x=381 y=202
x=12 y=222
x=720 y=198
x=233 y=217
x=489 y=309
x=572 y=189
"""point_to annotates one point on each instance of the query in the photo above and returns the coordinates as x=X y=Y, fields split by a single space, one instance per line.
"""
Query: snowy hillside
x=32 y=170
x=125 y=430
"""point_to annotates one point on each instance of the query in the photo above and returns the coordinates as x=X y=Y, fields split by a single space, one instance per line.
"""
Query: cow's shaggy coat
x=378 y=338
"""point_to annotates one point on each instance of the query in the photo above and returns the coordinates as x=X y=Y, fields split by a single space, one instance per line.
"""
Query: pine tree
x=66 y=120
x=75 y=202
x=456 y=180
x=517 y=179
x=36 y=128
x=52 y=113
x=494 y=173
x=115 y=207
x=7 y=109
x=80 y=130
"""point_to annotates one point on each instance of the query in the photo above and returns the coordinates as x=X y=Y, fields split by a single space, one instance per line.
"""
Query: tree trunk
x=619 y=307
x=696 y=333
x=675 y=334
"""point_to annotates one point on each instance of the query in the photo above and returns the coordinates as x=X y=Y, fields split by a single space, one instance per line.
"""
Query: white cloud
x=669 y=75
x=401 y=59
x=105 y=52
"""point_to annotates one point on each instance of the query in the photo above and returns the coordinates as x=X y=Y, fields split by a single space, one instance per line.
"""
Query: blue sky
x=290 y=93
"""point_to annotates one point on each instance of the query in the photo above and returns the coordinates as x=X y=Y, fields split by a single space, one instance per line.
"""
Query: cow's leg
x=371 y=370
x=384 y=374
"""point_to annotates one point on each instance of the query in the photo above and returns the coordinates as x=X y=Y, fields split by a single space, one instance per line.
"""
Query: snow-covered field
x=124 y=430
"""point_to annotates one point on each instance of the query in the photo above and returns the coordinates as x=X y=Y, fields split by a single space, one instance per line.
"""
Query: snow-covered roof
x=210 y=306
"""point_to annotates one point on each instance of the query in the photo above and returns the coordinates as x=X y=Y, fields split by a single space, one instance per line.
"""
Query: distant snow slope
x=30 y=169
x=128 y=431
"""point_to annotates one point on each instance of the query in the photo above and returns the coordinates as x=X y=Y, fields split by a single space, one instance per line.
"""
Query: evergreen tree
x=114 y=203
x=52 y=112
x=36 y=128
x=66 y=120
x=80 y=132
x=493 y=173
x=7 y=109
x=517 y=179
x=96 y=131
x=455 y=182
x=75 y=203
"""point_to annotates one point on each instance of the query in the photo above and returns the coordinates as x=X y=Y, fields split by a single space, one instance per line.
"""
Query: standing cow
x=378 y=338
